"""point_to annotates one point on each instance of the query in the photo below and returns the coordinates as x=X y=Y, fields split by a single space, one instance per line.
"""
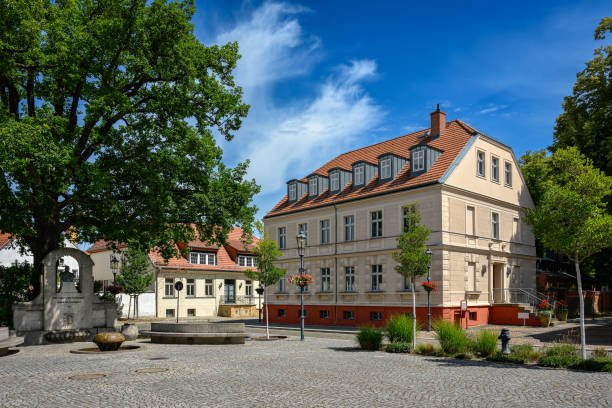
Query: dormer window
x=385 y=168
x=359 y=174
x=248 y=261
x=202 y=258
x=292 y=192
x=334 y=179
x=418 y=160
x=312 y=186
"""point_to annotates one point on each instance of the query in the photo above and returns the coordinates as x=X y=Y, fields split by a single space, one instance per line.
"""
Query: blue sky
x=324 y=77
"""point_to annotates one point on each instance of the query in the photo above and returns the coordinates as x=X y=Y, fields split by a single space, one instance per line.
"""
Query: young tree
x=571 y=217
x=135 y=276
x=107 y=113
x=266 y=251
x=411 y=258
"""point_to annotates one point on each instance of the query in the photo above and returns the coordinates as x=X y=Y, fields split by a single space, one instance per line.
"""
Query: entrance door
x=498 y=283
x=230 y=291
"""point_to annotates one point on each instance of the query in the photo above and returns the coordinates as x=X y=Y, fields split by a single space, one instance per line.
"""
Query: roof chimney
x=438 y=122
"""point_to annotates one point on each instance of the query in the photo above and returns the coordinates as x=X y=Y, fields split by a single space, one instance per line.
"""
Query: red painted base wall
x=509 y=315
x=362 y=315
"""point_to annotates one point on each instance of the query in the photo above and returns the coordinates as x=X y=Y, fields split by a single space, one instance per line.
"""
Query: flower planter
x=545 y=319
x=562 y=315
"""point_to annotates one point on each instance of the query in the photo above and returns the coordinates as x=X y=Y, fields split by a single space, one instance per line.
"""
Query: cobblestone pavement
x=287 y=373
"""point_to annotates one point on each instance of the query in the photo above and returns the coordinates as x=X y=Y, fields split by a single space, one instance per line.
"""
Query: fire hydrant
x=505 y=339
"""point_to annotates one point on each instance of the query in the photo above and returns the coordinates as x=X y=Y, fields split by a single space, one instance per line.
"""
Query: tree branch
x=13 y=94
x=72 y=121
x=30 y=94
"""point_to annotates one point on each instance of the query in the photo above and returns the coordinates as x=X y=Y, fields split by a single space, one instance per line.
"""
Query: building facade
x=213 y=279
x=470 y=194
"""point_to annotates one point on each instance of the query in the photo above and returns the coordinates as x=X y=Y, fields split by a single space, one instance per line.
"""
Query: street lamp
x=428 y=253
x=301 y=248
x=260 y=291
x=114 y=267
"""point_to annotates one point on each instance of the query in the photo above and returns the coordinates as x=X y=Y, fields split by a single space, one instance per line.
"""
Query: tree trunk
x=581 y=302
x=39 y=247
x=267 y=317
x=414 y=334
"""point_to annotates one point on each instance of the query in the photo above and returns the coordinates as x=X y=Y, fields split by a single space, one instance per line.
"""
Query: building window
x=385 y=168
x=169 y=312
x=312 y=186
x=190 y=287
x=324 y=314
x=359 y=177
x=405 y=211
x=495 y=169
x=190 y=312
x=515 y=230
x=495 y=225
x=376 y=230
x=292 y=192
x=349 y=228
x=469 y=221
x=325 y=279
x=325 y=232
x=405 y=283
x=169 y=287
x=473 y=316
x=349 y=279
x=282 y=285
x=208 y=287
x=375 y=315
x=248 y=288
x=376 y=277
x=334 y=180
x=281 y=312
x=202 y=258
x=508 y=171
x=349 y=315
x=248 y=261
x=303 y=228
x=480 y=163
x=418 y=160
x=471 y=275
x=282 y=237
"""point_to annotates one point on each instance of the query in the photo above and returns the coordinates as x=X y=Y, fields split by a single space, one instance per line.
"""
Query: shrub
x=559 y=361
x=369 y=338
x=503 y=358
x=399 y=329
x=485 y=343
x=425 y=349
x=525 y=351
x=595 y=364
x=599 y=353
x=399 y=347
x=563 y=350
x=464 y=356
x=451 y=337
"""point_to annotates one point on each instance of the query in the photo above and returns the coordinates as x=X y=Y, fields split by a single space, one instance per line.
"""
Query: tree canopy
x=586 y=121
x=136 y=274
x=108 y=116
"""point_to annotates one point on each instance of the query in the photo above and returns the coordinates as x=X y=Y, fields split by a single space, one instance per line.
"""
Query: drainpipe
x=336 y=264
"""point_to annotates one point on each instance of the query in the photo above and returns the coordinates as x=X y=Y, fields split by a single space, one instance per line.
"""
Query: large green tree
x=135 y=276
x=266 y=252
x=108 y=111
x=412 y=261
x=571 y=216
x=586 y=121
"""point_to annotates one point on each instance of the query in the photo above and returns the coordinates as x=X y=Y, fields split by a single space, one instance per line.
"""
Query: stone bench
x=197 y=333
x=7 y=341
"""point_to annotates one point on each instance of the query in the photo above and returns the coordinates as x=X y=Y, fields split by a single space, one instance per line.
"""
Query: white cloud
x=492 y=108
x=291 y=139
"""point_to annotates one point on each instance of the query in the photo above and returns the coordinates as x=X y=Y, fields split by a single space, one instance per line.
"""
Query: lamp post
x=114 y=267
x=428 y=253
x=301 y=247
x=260 y=291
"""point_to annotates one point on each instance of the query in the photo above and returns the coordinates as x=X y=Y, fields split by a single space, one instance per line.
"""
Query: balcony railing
x=237 y=300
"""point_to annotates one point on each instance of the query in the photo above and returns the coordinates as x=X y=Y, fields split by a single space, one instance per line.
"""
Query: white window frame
x=349 y=228
x=169 y=287
x=190 y=287
x=313 y=192
x=376 y=278
x=495 y=169
x=359 y=174
x=202 y=258
x=385 y=168
x=349 y=279
x=282 y=285
x=282 y=237
x=248 y=288
x=325 y=280
x=209 y=288
x=418 y=160
x=481 y=163
x=508 y=174
x=376 y=224
x=246 y=261
x=334 y=180
x=495 y=225
x=292 y=192
x=325 y=232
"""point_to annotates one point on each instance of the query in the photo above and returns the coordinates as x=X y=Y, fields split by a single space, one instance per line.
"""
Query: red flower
x=430 y=286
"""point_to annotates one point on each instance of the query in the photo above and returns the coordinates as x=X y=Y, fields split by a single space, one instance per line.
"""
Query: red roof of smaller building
x=5 y=239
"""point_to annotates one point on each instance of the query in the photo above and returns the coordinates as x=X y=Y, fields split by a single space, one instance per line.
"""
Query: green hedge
x=369 y=338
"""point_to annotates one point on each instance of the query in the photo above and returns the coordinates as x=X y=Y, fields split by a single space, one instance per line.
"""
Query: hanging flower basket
x=301 y=280
x=430 y=286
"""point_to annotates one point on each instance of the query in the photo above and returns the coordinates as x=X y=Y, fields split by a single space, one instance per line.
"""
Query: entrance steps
x=527 y=308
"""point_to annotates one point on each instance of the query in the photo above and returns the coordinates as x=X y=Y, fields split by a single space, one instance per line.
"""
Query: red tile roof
x=450 y=143
x=5 y=239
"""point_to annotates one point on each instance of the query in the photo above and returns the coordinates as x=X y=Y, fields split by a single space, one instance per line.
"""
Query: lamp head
x=301 y=243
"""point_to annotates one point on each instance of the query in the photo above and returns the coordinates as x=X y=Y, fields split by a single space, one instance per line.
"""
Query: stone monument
x=66 y=315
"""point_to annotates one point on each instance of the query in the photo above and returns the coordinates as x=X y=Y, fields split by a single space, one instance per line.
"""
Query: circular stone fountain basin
x=197 y=333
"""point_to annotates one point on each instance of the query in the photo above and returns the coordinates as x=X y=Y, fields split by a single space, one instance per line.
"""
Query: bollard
x=505 y=339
